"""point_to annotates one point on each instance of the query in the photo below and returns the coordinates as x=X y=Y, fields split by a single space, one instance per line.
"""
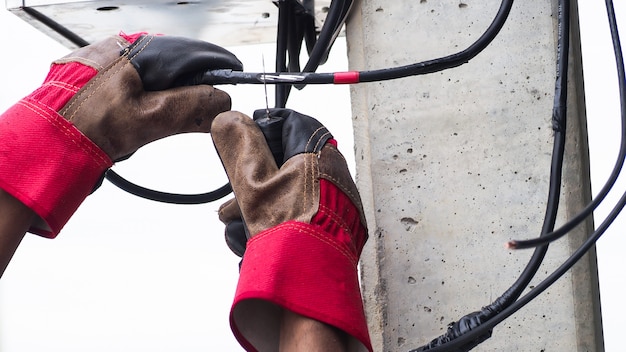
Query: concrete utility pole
x=453 y=164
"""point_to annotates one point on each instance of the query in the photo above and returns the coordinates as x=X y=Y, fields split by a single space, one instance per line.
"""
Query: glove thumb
x=235 y=232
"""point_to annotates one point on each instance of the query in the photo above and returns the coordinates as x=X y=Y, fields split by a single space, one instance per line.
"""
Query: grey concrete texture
x=452 y=165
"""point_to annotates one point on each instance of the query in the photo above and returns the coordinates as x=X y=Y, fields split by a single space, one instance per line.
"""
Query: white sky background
x=128 y=274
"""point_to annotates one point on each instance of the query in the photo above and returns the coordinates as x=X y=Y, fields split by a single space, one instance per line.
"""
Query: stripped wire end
x=511 y=245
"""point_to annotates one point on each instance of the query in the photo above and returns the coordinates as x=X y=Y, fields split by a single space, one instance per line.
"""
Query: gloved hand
x=235 y=232
x=99 y=104
x=304 y=222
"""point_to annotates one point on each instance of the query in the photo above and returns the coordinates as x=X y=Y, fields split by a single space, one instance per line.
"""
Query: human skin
x=300 y=334
x=14 y=222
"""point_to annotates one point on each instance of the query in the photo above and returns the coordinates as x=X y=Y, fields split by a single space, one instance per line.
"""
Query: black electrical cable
x=447 y=62
x=594 y=237
x=583 y=214
x=165 y=197
x=573 y=259
x=430 y=66
x=309 y=28
x=282 y=41
x=586 y=212
x=335 y=18
x=340 y=12
x=228 y=77
x=294 y=39
x=283 y=48
x=468 y=323
x=55 y=26
x=293 y=24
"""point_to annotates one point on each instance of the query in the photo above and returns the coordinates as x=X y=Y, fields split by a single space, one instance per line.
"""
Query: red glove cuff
x=47 y=163
x=310 y=269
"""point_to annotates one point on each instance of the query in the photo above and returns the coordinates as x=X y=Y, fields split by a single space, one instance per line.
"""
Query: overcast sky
x=128 y=274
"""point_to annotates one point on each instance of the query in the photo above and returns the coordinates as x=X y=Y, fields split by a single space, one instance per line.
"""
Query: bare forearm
x=299 y=333
x=15 y=218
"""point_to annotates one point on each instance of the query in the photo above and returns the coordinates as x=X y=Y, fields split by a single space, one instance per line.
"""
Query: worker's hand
x=100 y=104
x=235 y=232
x=140 y=88
x=297 y=215
x=274 y=165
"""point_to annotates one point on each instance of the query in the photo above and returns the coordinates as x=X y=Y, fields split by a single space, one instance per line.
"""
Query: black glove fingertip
x=236 y=238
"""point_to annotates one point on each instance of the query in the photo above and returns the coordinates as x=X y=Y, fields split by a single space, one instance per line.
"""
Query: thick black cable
x=593 y=238
x=456 y=345
x=291 y=35
x=57 y=27
x=335 y=18
x=468 y=323
x=446 y=62
x=165 y=197
x=282 y=38
x=425 y=67
x=310 y=32
x=325 y=78
x=588 y=210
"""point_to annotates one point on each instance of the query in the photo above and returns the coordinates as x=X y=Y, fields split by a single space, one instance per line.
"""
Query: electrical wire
x=486 y=327
x=336 y=17
x=289 y=37
x=217 y=77
x=165 y=197
x=588 y=210
x=296 y=23
x=468 y=323
x=282 y=40
x=56 y=27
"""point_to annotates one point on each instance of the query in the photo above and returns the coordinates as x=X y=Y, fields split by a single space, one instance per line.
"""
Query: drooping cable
x=55 y=26
x=230 y=77
x=585 y=247
x=470 y=322
x=352 y=77
x=336 y=17
x=486 y=327
x=166 y=197
x=282 y=40
x=598 y=199
x=289 y=39
x=296 y=24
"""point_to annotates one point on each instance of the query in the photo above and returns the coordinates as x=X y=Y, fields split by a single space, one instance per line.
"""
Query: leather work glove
x=97 y=105
x=304 y=222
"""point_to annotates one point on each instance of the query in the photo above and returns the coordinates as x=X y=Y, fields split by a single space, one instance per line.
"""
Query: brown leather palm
x=268 y=194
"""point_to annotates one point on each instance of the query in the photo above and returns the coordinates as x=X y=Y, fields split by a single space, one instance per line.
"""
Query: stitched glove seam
x=62 y=85
x=96 y=82
x=95 y=154
x=309 y=230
